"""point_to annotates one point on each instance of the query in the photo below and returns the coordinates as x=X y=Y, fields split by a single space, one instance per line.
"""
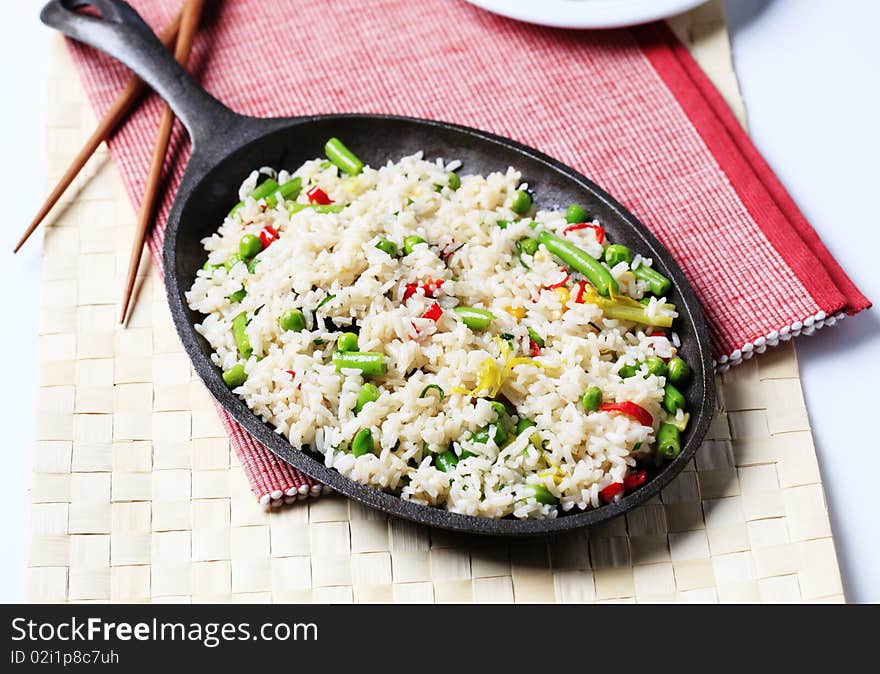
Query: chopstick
x=188 y=24
x=120 y=107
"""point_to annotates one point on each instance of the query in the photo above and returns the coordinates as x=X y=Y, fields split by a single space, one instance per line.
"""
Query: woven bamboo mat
x=136 y=495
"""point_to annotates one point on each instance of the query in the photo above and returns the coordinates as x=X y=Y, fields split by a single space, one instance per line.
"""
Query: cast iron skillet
x=227 y=146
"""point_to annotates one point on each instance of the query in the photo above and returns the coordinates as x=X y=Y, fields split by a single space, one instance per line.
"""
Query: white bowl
x=587 y=13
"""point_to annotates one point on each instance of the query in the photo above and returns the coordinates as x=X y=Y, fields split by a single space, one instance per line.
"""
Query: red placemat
x=628 y=108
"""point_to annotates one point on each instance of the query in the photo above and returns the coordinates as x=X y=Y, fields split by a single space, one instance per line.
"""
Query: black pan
x=227 y=146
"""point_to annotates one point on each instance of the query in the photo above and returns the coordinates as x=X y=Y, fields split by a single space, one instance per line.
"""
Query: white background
x=809 y=73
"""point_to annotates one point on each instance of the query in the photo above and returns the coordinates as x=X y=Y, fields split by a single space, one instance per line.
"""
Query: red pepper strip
x=611 y=491
x=293 y=376
x=636 y=479
x=534 y=349
x=434 y=312
x=428 y=288
x=630 y=409
x=579 y=298
x=561 y=283
x=318 y=196
x=658 y=333
x=268 y=236
x=599 y=229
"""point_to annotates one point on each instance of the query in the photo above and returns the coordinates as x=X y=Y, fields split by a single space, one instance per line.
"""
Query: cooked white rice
x=573 y=454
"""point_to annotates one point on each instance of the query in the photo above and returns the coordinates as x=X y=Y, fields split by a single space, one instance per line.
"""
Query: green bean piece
x=410 y=242
x=576 y=213
x=535 y=337
x=673 y=400
x=542 y=494
x=293 y=319
x=679 y=371
x=210 y=267
x=252 y=264
x=502 y=224
x=521 y=202
x=249 y=246
x=628 y=371
x=465 y=454
x=387 y=246
x=235 y=376
x=454 y=181
x=362 y=443
x=348 y=341
x=668 y=441
x=344 y=158
x=239 y=323
x=369 y=363
x=656 y=366
x=580 y=261
x=658 y=284
x=289 y=191
x=591 y=399
x=522 y=424
x=262 y=191
x=232 y=260
x=369 y=393
x=617 y=253
x=436 y=387
x=645 y=300
x=446 y=461
x=475 y=319
x=238 y=295
x=317 y=208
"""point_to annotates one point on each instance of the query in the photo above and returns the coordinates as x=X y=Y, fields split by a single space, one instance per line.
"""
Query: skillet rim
x=251 y=130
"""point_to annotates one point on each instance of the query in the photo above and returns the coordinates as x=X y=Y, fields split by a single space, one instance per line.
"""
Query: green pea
x=362 y=443
x=628 y=371
x=370 y=363
x=249 y=246
x=521 y=202
x=454 y=181
x=522 y=424
x=293 y=319
x=238 y=295
x=481 y=437
x=673 y=400
x=369 y=393
x=617 y=253
x=231 y=261
x=348 y=341
x=535 y=337
x=656 y=366
x=502 y=224
x=542 y=494
x=387 y=246
x=446 y=461
x=410 y=242
x=668 y=441
x=475 y=319
x=235 y=376
x=239 y=323
x=576 y=213
x=526 y=246
x=591 y=399
x=499 y=409
x=679 y=371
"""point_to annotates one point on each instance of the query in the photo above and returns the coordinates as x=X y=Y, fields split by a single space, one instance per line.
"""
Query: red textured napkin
x=628 y=108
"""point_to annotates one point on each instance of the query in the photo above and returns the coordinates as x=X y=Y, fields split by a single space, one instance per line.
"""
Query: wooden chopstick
x=188 y=24
x=126 y=98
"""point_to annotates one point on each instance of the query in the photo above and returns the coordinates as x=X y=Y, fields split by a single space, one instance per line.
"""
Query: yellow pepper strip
x=554 y=472
x=626 y=309
x=491 y=376
x=518 y=313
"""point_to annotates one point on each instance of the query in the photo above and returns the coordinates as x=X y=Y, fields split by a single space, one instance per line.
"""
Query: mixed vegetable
x=583 y=277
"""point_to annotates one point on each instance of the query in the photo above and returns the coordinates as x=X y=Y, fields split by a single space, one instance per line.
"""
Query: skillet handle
x=122 y=33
